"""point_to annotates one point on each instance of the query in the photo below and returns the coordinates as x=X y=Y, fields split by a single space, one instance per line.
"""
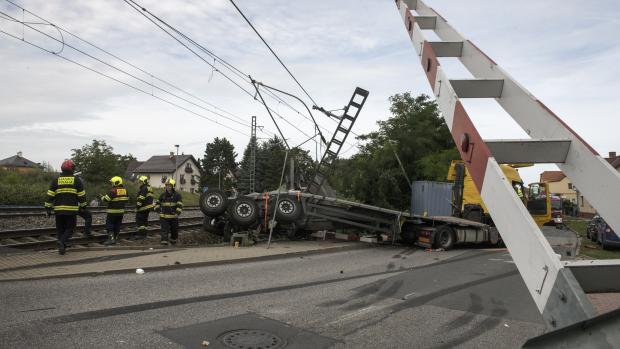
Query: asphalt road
x=389 y=297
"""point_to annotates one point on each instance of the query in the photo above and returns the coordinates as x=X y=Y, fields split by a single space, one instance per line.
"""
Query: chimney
x=19 y=153
x=612 y=154
x=171 y=154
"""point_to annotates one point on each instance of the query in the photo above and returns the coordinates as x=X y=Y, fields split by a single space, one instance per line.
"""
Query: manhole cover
x=252 y=339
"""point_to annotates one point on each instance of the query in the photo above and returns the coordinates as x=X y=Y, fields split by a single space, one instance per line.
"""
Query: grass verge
x=589 y=248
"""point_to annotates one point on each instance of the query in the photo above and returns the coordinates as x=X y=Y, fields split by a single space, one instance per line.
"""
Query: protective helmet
x=171 y=181
x=67 y=166
x=143 y=179
x=116 y=181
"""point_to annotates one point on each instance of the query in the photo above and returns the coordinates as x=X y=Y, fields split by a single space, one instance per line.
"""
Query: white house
x=184 y=169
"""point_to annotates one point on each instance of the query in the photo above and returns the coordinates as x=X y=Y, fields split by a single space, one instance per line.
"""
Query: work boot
x=110 y=241
x=173 y=241
x=88 y=234
x=164 y=242
x=61 y=248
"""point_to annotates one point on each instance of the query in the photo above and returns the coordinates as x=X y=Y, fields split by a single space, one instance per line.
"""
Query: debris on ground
x=139 y=271
x=205 y=343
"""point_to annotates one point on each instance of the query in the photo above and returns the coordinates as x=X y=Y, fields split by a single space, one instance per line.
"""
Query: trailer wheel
x=445 y=237
x=288 y=210
x=244 y=211
x=213 y=225
x=213 y=202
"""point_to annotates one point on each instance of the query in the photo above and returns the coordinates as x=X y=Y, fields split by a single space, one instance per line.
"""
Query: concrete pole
x=292 y=173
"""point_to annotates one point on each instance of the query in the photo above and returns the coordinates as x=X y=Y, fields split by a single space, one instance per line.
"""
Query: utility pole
x=176 y=165
x=292 y=173
x=253 y=156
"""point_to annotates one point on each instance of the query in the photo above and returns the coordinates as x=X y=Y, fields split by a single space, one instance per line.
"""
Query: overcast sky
x=564 y=52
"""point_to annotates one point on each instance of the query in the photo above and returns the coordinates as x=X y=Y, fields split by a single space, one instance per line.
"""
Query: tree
x=219 y=164
x=270 y=156
x=98 y=162
x=420 y=137
x=245 y=167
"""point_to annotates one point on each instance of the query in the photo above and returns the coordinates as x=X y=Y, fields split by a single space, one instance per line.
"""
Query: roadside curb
x=198 y=264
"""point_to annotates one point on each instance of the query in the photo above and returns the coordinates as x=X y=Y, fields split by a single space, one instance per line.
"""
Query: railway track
x=45 y=238
x=31 y=211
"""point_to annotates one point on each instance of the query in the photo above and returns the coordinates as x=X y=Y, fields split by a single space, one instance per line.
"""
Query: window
x=582 y=205
x=570 y=185
x=188 y=168
x=182 y=179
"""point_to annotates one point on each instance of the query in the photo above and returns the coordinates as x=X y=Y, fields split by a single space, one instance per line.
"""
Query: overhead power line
x=143 y=11
x=122 y=82
x=61 y=30
x=128 y=74
x=273 y=52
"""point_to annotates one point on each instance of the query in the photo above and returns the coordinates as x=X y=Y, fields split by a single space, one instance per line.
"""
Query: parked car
x=600 y=232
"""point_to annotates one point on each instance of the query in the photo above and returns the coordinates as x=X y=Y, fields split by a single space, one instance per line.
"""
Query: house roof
x=552 y=176
x=18 y=161
x=163 y=163
x=131 y=166
x=616 y=162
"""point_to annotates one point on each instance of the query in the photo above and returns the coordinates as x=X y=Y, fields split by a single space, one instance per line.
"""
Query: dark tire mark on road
x=478 y=329
x=475 y=308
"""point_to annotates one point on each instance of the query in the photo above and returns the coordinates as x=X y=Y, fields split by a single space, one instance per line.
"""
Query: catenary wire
x=123 y=83
x=133 y=76
x=273 y=52
x=141 y=9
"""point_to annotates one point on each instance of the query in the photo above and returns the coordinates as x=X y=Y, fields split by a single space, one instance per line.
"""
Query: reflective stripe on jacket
x=66 y=195
x=144 y=201
x=171 y=204
x=116 y=199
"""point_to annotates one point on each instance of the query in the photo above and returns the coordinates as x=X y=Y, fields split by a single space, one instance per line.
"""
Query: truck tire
x=244 y=211
x=213 y=202
x=445 y=237
x=288 y=210
x=213 y=225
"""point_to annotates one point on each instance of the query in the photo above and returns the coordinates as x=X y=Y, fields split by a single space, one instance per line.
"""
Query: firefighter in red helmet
x=65 y=199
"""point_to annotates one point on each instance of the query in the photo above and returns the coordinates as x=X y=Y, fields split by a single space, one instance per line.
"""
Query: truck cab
x=469 y=205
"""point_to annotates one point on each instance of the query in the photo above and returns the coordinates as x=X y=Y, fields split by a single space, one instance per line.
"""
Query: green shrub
x=30 y=189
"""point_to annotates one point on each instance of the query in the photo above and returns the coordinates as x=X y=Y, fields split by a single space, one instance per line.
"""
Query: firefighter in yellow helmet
x=116 y=200
x=169 y=205
x=144 y=205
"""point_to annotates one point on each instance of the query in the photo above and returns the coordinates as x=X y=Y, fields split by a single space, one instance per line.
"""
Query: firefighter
x=65 y=198
x=169 y=205
x=116 y=200
x=144 y=205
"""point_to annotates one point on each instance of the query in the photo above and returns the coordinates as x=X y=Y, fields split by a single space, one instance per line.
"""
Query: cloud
x=566 y=55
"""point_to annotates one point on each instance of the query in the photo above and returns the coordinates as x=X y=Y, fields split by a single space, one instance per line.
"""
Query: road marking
x=348 y=316
x=496 y=259
x=407 y=295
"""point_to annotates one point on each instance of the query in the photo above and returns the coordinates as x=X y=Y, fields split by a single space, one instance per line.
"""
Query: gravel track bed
x=98 y=218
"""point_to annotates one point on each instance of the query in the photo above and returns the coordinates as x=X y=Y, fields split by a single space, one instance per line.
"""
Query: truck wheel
x=288 y=210
x=244 y=211
x=213 y=202
x=213 y=225
x=444 y=237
